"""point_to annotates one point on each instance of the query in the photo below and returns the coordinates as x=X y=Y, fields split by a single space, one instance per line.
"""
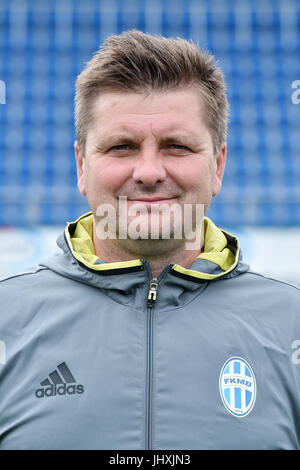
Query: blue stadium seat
x=42 y=49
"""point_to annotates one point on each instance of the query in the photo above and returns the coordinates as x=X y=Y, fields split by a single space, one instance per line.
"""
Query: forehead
x=168 y=111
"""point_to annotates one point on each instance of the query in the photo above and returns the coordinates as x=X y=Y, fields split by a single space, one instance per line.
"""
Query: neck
x=159 y=253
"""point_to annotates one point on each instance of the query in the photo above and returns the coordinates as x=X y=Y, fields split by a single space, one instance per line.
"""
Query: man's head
x=151 y=126
x=141 y=63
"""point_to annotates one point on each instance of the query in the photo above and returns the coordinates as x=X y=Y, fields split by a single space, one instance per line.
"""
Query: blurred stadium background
x=45 y=44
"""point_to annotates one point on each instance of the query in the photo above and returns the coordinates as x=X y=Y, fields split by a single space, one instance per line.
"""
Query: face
x=154 y=149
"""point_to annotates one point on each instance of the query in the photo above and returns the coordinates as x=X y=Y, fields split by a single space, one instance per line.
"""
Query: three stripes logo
x=60 y=382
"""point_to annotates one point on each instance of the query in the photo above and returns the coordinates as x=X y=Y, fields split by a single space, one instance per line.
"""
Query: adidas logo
x=60 y=382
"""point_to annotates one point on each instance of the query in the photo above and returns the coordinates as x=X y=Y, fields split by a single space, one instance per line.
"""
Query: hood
x=221 y=256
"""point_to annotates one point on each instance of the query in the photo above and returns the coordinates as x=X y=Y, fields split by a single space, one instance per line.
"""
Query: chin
x=150 y=248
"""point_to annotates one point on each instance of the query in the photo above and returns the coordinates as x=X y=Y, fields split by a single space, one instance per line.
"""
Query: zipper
x=152 y=294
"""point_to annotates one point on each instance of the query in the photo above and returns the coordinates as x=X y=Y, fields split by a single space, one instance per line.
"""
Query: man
x=131 y=339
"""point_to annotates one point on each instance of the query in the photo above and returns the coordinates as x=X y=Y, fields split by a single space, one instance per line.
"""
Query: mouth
x=154 y=201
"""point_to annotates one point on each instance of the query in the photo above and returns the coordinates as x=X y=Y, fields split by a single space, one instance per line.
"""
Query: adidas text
x=54 y=390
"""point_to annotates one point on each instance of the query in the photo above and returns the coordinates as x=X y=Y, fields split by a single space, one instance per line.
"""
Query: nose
x=149 y=168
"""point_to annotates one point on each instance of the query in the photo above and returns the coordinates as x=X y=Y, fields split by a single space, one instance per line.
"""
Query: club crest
x=237 y=386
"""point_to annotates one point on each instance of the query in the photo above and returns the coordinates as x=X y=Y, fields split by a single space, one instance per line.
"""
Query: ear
x=220 y=167
x=80 y=164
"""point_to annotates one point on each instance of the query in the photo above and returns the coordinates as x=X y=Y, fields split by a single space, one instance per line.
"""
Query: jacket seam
x=13 y=276
x=275 y=280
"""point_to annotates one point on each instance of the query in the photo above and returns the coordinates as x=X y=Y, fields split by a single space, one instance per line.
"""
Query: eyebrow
x=110 y=141
x=113 y=140
x=186 y=139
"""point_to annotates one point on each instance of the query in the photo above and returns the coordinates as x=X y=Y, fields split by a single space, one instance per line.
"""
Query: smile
x=156 y=200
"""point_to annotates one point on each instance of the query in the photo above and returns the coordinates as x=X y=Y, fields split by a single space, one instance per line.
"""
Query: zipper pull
x=152 y=292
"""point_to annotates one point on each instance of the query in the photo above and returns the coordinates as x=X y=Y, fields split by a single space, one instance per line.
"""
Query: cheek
x=106 y=176
x=196 y=177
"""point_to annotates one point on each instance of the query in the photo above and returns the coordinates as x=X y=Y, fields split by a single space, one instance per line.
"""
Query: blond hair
x=142 y=63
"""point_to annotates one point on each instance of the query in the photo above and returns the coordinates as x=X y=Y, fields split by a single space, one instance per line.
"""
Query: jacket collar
x=219 y=258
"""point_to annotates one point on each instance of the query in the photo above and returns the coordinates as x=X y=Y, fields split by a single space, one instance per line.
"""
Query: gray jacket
x=106 y=357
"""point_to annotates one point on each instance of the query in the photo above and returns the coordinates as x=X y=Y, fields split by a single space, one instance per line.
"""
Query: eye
x=177 y=146
x=120 y=147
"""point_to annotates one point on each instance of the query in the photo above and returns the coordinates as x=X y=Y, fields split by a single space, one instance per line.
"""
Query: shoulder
x=253 y=283
x=20 y=297
x=279 y=283
x=24 y=283
x=263 y=296
x=272 y=285
x=270 y=298
x=20 y=277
